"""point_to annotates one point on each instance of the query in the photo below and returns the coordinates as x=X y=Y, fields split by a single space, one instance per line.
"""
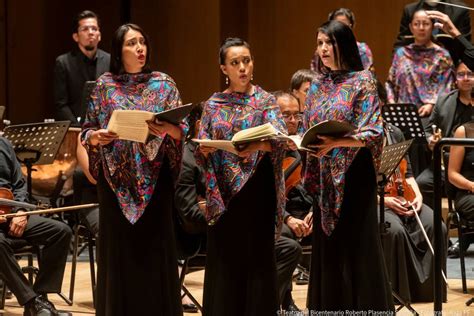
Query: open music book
x=131 y=124
x=323 y=128
x=242 y=138
x=268 y=131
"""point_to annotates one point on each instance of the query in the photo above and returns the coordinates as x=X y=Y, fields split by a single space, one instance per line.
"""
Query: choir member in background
x=347 y=267
x=460 y=16
x=245 y=193
x=419 y=73
x=137 y=261
x=347 y=17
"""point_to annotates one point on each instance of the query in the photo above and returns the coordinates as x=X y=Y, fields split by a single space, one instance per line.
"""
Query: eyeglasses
x=86 y=28
x=296 y=116
x=463 y=74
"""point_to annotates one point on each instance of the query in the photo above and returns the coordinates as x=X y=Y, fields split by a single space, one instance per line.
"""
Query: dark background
x=185 y=38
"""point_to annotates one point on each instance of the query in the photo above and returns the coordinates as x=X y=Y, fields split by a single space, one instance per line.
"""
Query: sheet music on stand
x=36 y=143
x=391 y=157
x=406 y=118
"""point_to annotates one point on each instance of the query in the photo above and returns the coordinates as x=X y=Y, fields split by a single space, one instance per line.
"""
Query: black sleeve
x=61 y=99
x=465 y=24
x=467 y=55
x=10 y=172
x=186 y=196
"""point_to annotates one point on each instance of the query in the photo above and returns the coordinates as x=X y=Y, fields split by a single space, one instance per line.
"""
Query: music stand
x=391 y=157
x=406 y=118
x=36 y=144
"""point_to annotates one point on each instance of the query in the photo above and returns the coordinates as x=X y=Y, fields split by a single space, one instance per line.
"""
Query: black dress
x=240 y=275
x=347 y=268
x=137 y=264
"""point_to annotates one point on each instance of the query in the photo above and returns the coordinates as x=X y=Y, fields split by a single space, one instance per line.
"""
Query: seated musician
x=52 y=235
x=190 y=204
x=407 y=254
x=297 y=216
x=299 y=85
x=451 y=110
x=461 y=173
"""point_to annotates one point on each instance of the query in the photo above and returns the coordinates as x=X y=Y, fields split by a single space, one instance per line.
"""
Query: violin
x=8 y=195
x=292 y=170
x=7 y=203
x=398 y=186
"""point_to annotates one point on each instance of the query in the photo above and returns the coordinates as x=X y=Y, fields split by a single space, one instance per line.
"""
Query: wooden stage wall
x=185 y=36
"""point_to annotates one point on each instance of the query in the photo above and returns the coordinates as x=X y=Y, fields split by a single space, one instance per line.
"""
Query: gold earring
x=226 y=80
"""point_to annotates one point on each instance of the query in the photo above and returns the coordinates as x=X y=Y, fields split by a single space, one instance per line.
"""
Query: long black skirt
x=240 y=277
x=137 y=264
x=347 y=268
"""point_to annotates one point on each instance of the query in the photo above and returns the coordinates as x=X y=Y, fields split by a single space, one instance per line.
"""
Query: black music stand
x=406 y=118
x=36 y=144
x=391 y=157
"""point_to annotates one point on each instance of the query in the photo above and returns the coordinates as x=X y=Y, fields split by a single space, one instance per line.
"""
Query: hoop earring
x=227 y=80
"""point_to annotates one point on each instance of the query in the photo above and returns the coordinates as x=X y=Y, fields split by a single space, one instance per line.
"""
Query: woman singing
x=244 y=193
x=347 y=266
x=137 y=264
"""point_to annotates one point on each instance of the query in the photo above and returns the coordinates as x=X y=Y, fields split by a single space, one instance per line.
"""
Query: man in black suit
x=54 y=237
x=459 y=16
x=84 y=63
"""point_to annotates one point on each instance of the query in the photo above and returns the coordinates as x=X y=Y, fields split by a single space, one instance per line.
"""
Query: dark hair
x=345 y=12
x=301 y=76
x=416 y=11
x=86 y=14
x=116 y=64
x=193 y=117
x=230 y=42
x=284 y=94
x=346 y=55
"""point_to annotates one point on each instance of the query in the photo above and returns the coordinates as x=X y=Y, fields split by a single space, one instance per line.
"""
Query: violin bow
x=418 y=220
x=51 y=210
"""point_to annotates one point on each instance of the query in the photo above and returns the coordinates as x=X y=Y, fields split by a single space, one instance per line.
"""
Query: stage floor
x=83 y=296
